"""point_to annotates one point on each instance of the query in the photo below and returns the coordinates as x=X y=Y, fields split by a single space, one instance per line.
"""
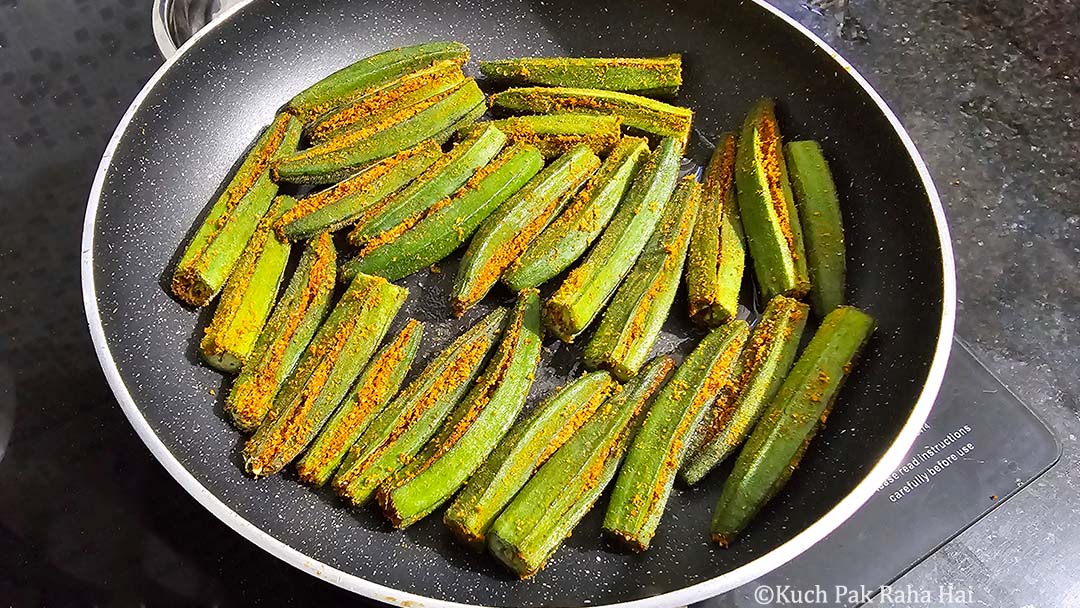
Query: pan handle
x=176 y=21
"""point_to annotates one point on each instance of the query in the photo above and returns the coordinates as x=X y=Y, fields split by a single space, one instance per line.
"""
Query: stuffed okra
x=506 y=233
x=645 y=479
x=556 y=134
x=218 y=243
x=641 y=75
x=328 y=368
x=631 y=324
x=552 y=503
x=475 y=427
x=761 y=368
x=283 y=339
x=377 y=384
x=774 y=449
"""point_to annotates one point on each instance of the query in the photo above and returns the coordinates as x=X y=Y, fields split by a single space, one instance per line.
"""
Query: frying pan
x=183 y=133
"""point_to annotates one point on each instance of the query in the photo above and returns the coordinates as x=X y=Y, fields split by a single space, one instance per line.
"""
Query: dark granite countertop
x=990 y=92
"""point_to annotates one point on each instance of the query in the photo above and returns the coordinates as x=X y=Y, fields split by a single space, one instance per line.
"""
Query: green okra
x=248 y=296
x=464 y=123
x=338 y=352
x=791 y=420
x=526 y=448
x=767 y=208
x=356 y=197
x=378 y=383
x=758 y=373
x=410 y=420
x=283 y=339
x=567 y=238
x=645 y=480
x=506 y=233
x=638 y=113
x=557 y=134
x=591 y=284
x=475 y=426
x=551 y=504
x=435 y=185
x=361 y=78
x=415 y=245
x=386 y=100
x=336 y=158
x=641 y=75
x=631 y=324
x=822 y=224
x=217 y=245
x=715 y=263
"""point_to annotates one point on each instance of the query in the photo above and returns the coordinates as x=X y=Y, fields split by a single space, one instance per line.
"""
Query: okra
x=359 y=195
x=716 y=260
x=567 y=238
x=638 y=113
x=557 y=134
x=761 y=368
x=338 y=352
x=410 y=420
x=386 y=100
x=552 y=503
x=378 y=383
x=526 y=447
x=822 y=224
x=767 y=208
x=249 y=295
x=508 y=231
x=368 y=74
x=641 y=75
x=631 y=324
x=285 y=336
x=217 y=245
x=590 y=285
x=475 y=426
x=336 y=158
x=409 y=247
x=437 y=183
x=793 y=417
x=645 y=480
x=465 y=122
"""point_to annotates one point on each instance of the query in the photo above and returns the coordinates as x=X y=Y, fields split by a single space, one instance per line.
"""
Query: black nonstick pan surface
x=188 y=127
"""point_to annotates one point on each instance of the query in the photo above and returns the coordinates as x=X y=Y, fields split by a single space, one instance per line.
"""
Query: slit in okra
x=556 y=134
x=640 y=75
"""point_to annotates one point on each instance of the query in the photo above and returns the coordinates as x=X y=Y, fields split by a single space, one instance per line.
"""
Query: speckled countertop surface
x=990 y=92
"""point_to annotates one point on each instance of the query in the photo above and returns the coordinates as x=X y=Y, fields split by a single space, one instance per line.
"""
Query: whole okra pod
x=526 y=447
x=716 y=260
x=379 y=382
x=432 y=188
x=361 y=78
x=567 y=238
x=475 y=426
x=822 y=224
x=326 y=371
x=411 y=419
x=283 y=339
x=356 y=197
x=552 y=503
x=767 y=208
x=757 y=376
x=631 y=324
x=216 y=246
x=638 y=113
x=645 y=480
x=641 y=75
x=506 y=233
x=557 y=134
x=415 y=245
x=249 y=295
x=589 y=286
x=781 y=437
x=336 y=158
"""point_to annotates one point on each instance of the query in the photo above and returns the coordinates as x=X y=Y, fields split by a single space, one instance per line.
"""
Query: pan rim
x=681 y=597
